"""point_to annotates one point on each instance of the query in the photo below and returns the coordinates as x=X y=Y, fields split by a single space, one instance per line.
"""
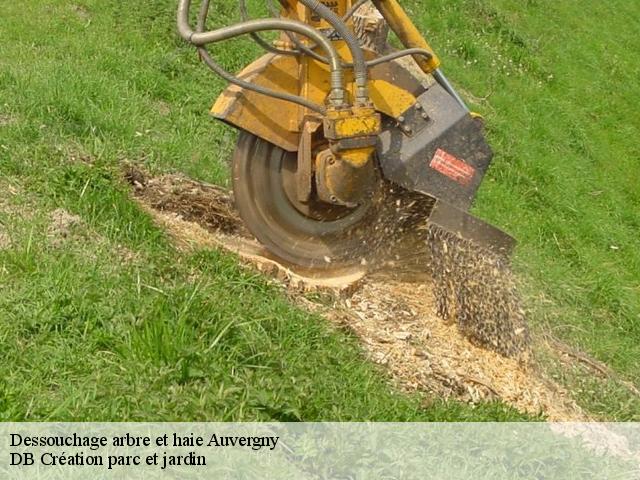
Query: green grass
x=555 y=81
x=115 y=324
x=112 y=322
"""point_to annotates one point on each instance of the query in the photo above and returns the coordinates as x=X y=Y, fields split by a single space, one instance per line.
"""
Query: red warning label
x=454 y=168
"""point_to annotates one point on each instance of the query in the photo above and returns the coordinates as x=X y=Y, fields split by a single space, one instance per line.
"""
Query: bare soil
x=62 y=225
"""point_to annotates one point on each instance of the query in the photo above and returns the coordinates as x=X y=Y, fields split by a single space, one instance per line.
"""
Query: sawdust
x=197 y=214
x=473 y=287
x=208 y=205
x=393 y=310
x=477 y=290
x=400 y=329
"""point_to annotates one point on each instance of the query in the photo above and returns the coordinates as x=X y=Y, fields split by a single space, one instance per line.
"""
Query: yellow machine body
x=280 y=122
x=392 y=91
x=321 y=138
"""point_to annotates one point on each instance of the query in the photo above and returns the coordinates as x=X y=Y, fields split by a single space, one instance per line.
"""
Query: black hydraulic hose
x=306 y=50
x=202 y=16
x=392 y=56
x=299 y=45
x=244 y=15
x=395 y=55
x=444 y=83
x=359 y=62
x=204 y=54
x=353 y=9
x=200 y=39
x=219 y=70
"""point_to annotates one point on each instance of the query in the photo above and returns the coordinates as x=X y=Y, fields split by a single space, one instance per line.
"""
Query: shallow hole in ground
x=390 y=305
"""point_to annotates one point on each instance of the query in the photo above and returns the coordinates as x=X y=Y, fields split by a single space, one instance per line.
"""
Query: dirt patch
x=62 y=226
x=163 y=108
x=81 y=11
x=12 y=202
x=394 y=310
x=5 y=239
x=68 y=229
x=197 y=214
x=207 y=205
x=6 y=120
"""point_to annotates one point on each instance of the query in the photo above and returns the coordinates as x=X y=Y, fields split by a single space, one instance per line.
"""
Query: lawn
x=107 y=320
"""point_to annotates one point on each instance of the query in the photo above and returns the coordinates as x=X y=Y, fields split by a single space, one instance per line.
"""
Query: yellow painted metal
x=351 y=123
x=407 y=32
x=271 y=119
x=350 y=130
x=361 y=125
x=339 y=7
x=278 y=121
x=357 y=157
x=297 y=11
x=390 y=99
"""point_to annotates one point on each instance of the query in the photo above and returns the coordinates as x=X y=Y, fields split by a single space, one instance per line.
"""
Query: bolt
x=331 y=160
x=418 y=106
x=333 y=198
x=401 y=119
x=407 y=129
x=425 y=115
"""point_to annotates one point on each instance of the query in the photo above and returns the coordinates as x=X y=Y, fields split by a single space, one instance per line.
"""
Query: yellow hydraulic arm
x=407 y=32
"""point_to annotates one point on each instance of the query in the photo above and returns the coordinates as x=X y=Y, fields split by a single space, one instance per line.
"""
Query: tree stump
x=371 y=28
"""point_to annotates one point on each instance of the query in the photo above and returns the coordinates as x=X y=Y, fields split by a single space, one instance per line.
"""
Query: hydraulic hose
x=302 y=48
x=394 y=55
x=201 y=39
x=305 y=50
x=211 y=63
x=244 y=15
x=359 y=62
x=353 y=9
x=444 y=83
x=299 y=45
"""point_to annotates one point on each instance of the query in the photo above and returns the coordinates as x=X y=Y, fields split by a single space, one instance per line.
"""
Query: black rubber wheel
x=313 y=235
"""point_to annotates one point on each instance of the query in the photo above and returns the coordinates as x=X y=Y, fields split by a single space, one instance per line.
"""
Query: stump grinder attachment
x=328 y=123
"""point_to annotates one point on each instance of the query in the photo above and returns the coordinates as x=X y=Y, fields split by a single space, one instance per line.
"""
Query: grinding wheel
x=311 y=234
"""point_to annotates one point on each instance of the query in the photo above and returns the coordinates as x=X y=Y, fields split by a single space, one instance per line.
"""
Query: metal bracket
x=413 y=120
x=304 y=173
